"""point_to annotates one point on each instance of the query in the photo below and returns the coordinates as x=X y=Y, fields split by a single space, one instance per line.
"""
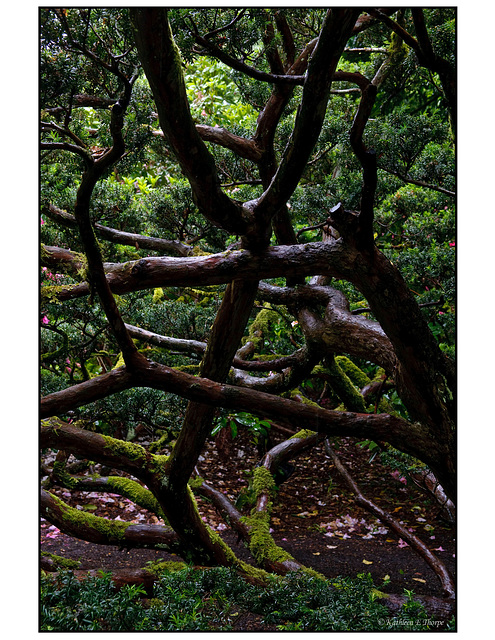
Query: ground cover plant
x=188 y=599
x=248 y=235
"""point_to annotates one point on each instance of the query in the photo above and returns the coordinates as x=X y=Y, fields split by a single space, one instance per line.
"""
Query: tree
x=268 y=158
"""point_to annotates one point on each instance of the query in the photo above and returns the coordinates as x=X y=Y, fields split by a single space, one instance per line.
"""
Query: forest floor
x=314 y=518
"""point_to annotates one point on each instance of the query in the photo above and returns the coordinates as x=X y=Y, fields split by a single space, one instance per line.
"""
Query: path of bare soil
x=314 y=518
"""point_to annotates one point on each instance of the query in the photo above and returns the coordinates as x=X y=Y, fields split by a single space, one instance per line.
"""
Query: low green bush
x=206 y=600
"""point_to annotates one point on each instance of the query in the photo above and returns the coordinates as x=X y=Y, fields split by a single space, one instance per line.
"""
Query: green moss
x=127 y=450
x=164 y=566
x=263 y=481
x=193 y=369
x=199 y=252
x=163 y=440
x=304 y=433
x=50 y=293
x=62 y=476
x=158 y=463
x=344 y=388
x=260 y=327
x=302 y=398
x=158 y=295
x=352 y=371
x=120 y=362
x=261 y=543
x=195 y=483
x=62 y=563
x=113 y=530
x=137 y=493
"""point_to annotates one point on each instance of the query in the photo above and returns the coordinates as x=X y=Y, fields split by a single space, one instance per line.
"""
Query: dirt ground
x=314 y=518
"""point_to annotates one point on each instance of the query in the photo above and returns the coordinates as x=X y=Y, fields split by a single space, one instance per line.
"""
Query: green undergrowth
x=214 y=599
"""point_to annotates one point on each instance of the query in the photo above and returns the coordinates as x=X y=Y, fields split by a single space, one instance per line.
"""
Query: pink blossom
x=396 y=474
x=45 y=320
x=441 y=313
x=402 y=544
x=451 y=244
x=42 y=221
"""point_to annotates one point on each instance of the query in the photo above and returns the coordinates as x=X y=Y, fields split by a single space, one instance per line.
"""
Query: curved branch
x=85 y=392
x=242 y=67
x=194 y=346
x=419 y=183
x=73 y=148
x=333 y=37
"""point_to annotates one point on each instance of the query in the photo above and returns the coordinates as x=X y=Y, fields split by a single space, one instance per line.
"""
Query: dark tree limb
x=95 y=269
x=333 y=259
x=243 y=147
x=420 y=183
x=161 y=63
x=252 y=72
x=367 y=158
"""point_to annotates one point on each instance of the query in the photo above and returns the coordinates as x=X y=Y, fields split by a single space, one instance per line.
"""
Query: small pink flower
x=402 y=544
x=45 y=320
x=42 y=221
x=441 y=313
x=451 y=244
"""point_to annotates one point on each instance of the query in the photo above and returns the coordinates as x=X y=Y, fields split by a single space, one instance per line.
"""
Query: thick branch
x=367 y=158
x=420 y=183
x=243 y=147
x=333 y=259
x=161 y=62
x=252 y=72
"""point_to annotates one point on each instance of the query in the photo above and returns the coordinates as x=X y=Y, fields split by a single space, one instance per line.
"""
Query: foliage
x=206 y=599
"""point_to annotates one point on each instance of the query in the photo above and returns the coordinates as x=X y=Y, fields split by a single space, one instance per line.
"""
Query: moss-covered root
x=263 y=547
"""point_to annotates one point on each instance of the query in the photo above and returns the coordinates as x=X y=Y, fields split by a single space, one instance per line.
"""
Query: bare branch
x=137 y=240
x=418 y=545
